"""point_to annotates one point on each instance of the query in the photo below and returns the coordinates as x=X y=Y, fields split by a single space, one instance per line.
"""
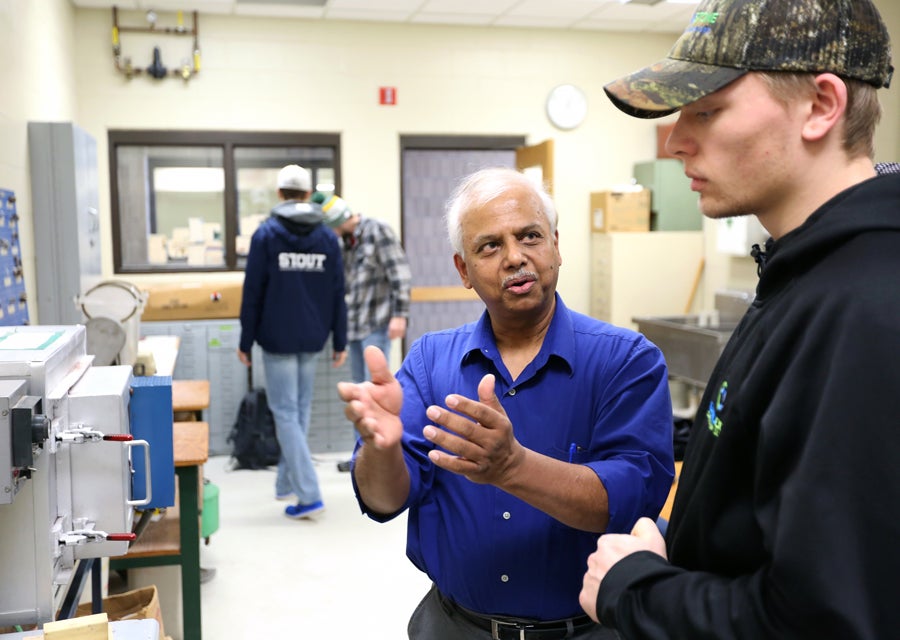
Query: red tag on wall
x=387 y=95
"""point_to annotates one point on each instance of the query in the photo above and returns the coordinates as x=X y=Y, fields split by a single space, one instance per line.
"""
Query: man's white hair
x=477 y=189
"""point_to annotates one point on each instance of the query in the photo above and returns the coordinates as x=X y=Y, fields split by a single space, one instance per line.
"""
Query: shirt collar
x=559 y=341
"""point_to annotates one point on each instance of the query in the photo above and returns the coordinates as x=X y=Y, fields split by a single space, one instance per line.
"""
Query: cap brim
x=668 y=85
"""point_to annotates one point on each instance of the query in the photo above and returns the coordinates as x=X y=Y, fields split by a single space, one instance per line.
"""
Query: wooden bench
x=189 y=399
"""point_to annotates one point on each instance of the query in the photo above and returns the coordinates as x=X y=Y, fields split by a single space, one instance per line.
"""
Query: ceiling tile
x=367 y=15
x=473 y=19
x=278 y=10
x=560 y=14
x=105 y=4
x=479 y=7
x=208 y=6
x=534 y=21
x=556 y=9
x=376 y=6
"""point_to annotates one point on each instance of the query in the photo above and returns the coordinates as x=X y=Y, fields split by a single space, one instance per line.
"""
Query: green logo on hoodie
x=713 y=420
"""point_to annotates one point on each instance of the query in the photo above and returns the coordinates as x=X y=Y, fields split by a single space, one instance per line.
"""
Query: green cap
x=727 y=38
x=335 y=210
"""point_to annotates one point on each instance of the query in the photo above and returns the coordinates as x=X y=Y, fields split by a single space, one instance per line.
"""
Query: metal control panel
x=17 y=413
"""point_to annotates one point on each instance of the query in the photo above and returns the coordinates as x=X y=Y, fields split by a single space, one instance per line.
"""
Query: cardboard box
x=193 y=301
x=139 y=604
x=620 y=210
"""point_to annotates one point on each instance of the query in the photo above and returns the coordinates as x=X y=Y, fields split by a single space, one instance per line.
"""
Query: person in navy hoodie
x=293 y=298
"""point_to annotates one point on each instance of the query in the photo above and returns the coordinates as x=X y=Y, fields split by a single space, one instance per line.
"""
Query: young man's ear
x=828 y=106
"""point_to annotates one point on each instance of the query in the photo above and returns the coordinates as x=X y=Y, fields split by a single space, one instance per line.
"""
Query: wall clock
x=566 y=106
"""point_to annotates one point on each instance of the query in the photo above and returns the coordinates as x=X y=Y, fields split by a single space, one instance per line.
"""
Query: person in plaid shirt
x=377 y=280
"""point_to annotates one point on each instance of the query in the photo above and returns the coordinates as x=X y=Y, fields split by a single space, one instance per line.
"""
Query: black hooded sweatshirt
x=786 y=522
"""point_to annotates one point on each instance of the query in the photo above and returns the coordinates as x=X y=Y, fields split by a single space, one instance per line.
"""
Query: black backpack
x=253 y=441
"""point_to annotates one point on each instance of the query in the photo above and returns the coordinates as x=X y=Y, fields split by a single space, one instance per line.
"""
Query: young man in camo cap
x=784 y=523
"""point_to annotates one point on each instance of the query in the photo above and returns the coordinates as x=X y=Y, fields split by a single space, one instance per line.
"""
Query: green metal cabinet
x=673 y=206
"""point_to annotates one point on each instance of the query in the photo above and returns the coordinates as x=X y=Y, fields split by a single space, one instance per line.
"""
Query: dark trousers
x=433 y=620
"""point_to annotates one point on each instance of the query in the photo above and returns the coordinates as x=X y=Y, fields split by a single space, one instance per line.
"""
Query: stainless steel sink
x=691 y=344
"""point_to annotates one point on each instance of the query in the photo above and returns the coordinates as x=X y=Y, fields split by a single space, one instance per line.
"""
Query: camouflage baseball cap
x=727 y=38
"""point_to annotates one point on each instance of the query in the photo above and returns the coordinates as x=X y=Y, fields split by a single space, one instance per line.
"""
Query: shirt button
x=506 y=515
x=512 y=392
x=504 y=578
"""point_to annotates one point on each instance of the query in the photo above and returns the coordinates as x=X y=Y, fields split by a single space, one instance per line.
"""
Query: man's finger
x=378 y=365
x=347 y=391
x=456 y=464
x=649 y=534
x=486 y=392
x=485 y=410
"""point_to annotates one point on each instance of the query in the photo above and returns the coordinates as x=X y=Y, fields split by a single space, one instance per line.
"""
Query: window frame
x=228 y=141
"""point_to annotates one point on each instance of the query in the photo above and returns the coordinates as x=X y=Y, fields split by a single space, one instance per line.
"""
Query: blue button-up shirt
x=595 y=395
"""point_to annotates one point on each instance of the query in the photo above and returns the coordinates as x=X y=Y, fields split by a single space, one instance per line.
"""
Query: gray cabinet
x=208 y=350
x=64 y=194
x=673 y=206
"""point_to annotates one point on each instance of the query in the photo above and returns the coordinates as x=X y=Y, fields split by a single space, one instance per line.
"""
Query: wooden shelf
x=190 y=443
x=159 y=538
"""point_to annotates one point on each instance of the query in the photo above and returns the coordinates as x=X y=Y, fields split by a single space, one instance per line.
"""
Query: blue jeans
x=289 y=390
x=380 y=339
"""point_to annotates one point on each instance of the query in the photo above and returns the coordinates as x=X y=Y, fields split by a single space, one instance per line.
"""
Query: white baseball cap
x=294 y=177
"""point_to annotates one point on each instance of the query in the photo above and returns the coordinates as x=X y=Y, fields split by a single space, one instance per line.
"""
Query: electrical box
x=151 y=420
x=15 y=442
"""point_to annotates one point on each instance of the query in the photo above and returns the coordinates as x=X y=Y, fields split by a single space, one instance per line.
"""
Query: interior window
x=191 y=201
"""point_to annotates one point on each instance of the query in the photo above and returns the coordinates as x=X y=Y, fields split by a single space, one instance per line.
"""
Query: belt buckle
x=496 y=625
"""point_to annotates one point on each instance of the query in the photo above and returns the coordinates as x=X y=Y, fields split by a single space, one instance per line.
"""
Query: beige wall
x=265 y=74
x=888 y=135
x=288 y=74
x=37 y=76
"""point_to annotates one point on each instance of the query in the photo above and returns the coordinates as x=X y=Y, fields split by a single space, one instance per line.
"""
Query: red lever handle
x=121 y=537
x=119 y=437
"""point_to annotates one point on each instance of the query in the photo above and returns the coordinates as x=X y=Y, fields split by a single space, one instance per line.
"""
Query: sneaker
x=284 y=496
x=344 y=466
x=299 y=511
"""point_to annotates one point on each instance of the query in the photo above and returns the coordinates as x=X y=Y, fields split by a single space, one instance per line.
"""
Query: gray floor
x=339 y=576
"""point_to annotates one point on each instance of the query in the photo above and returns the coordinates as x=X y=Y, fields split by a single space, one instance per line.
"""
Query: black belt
x=518 y=629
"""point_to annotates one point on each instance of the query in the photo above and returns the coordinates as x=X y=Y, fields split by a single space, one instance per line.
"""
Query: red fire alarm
x=387 y=95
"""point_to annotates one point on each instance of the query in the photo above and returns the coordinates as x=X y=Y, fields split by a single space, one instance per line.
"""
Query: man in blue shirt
x=570 y=435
